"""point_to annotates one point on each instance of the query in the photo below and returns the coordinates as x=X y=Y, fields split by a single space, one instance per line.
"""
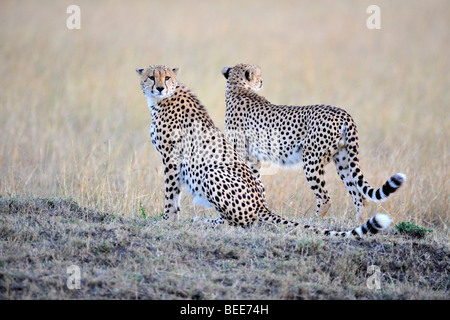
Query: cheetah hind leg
x=340 y=159
x=209 y=222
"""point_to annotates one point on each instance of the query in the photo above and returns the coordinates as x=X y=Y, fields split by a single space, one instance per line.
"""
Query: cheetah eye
x=167 y=78
x=151 y=78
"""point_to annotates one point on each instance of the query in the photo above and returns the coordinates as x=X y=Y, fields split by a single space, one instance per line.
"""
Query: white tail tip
x=401 y=177
x=383 y=220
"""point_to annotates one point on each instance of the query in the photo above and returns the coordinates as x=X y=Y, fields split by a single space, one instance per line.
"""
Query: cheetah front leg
x=172 y=186
x=255 y=167
x=315 y=175
x=241 y=144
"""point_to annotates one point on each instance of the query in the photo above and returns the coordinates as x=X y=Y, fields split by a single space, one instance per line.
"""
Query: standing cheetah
x=287 y=135
x=196 y=155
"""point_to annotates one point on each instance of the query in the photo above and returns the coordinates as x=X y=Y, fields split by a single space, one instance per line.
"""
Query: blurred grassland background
x=74 y=123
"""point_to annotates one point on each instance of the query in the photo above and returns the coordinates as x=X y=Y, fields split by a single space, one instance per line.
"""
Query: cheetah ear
x=226 y=72
x=139 y=71
x=175 y=71
x=249 y=74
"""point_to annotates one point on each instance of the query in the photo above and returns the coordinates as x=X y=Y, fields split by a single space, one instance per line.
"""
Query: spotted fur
x=311 y=136
x=196 y=155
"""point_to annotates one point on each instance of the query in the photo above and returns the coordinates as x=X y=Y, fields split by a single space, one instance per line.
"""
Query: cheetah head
x=158 y=82
x=247 y=76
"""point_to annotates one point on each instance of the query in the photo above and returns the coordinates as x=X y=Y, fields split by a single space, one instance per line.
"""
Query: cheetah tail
x=380 y=194
x=373 y=194
x=374 y=225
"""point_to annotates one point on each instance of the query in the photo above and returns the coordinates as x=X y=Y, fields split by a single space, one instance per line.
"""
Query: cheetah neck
x=245 y=92
x=181 y=91
x=153 y=103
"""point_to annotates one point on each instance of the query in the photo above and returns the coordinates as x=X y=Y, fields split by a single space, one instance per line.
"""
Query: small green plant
x=412 y=229
x=144 y=215
x=142 y=209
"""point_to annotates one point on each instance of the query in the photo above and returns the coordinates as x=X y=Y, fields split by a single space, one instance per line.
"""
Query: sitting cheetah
x=196 y=155
x=286 y=135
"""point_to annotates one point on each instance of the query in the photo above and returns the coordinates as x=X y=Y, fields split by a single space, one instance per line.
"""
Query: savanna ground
x=81 y=184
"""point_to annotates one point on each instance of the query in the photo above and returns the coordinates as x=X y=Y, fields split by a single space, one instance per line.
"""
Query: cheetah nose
x=160 y=89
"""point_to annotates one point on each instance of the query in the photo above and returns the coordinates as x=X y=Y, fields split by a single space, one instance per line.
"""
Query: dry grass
x=138 y=258
x=74 y=123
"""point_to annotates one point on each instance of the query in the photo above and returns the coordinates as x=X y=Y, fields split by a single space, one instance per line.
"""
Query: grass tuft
x=412 y=230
